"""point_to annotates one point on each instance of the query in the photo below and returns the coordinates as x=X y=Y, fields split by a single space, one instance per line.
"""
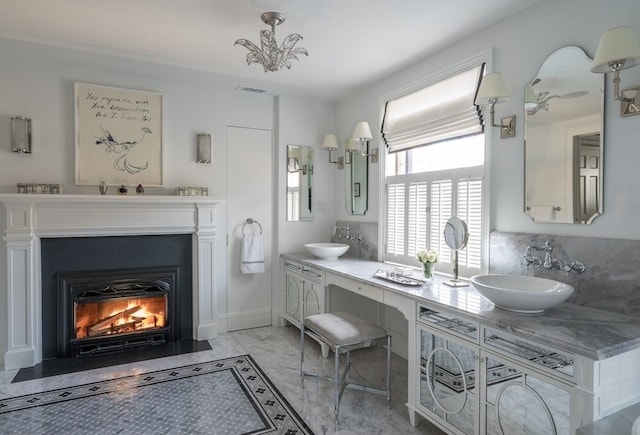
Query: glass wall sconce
x=203 y=148
x=20 y=134
x=491 y=91
x=330 y=143
x=362 y=133
x=619 y=49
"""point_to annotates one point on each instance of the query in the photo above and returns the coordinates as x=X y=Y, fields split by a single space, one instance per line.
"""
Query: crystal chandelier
x=269 y=55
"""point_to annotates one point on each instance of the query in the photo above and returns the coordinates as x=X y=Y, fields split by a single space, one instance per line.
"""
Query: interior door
x=249 y=169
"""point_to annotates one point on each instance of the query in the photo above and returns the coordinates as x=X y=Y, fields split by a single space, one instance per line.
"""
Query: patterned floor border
x=277 y=414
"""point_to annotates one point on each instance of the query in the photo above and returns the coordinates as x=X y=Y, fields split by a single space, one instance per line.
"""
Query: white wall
x=520 y=44
x=37 y=81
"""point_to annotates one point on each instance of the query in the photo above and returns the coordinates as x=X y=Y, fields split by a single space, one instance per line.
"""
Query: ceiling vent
x=249 y=89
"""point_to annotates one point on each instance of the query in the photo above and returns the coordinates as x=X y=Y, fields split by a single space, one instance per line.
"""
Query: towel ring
x=251 y=221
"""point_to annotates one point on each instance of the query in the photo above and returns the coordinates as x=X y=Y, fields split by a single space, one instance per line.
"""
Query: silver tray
x=397 y=278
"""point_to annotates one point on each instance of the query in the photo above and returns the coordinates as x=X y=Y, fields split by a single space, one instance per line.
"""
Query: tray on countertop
x=397 y=278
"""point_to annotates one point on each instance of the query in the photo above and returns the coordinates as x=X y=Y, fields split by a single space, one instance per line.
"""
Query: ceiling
x=351 y=43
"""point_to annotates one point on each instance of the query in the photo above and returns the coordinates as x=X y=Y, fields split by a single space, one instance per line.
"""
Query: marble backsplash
x=611 y=280
x=363 y=241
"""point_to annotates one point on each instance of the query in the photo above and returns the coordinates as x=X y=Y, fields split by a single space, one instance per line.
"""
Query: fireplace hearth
x=109 y=311
x=34 y=225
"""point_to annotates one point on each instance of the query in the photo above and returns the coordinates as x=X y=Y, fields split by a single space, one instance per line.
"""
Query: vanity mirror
x=564 y=140
x=356 y=178
x=456 y=236
x=299 y=183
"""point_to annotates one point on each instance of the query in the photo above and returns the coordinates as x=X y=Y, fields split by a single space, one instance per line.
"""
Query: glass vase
x=428 y=270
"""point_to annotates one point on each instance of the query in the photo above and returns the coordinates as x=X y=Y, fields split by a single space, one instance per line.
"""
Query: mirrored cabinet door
x=292 y=296
x=520 y=402
x=448 y=381
x=312 y=299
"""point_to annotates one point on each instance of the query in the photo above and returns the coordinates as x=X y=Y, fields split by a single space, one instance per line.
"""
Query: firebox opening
x=108 y=311
x=97 y=316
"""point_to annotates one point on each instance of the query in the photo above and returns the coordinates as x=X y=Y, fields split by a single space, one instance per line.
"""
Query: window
x=426 y=185
x=440 y=181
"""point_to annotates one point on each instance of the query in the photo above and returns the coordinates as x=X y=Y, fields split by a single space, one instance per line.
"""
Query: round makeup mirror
x=456 y=236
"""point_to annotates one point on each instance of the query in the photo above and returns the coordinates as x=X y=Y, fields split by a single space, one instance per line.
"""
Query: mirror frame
x=554 y=72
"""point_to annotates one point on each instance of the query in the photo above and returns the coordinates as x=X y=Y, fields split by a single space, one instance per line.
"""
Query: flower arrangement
x=428 y=259
x=430 y=256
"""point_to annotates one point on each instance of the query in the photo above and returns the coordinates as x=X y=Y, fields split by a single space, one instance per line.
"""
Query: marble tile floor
x=275 y=349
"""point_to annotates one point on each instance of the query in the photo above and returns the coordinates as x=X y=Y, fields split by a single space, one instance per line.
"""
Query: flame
x=150 y=315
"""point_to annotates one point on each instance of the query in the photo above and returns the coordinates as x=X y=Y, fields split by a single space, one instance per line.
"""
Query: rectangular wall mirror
x=299 y=183
x=356 y=181
x=564 y=140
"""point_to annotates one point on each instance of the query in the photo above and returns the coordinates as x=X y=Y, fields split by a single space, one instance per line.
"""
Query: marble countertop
x=588 y=332
x=619 y=423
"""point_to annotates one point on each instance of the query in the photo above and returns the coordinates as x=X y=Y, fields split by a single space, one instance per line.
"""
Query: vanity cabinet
x=479 y=380
x=303 y=293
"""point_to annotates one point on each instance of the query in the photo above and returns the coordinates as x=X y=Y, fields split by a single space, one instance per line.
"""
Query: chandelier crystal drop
x=269 y=55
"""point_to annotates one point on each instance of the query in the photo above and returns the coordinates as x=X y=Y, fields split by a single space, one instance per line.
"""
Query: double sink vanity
x=474 y=368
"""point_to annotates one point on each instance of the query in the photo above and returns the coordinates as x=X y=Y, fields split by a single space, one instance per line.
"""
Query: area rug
x=229 y=396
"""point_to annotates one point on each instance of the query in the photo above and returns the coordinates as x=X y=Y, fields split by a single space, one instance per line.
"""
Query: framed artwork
x=118 y=136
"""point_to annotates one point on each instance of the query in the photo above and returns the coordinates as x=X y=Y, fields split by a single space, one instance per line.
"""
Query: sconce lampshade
x=330 y=142
x=616 y=45
x=362 y=131
x=20 y=134
x=203 y=148
x=492 y=90
x=352 y=144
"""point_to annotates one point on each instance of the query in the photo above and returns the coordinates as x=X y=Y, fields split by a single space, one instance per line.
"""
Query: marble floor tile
x=276 y=351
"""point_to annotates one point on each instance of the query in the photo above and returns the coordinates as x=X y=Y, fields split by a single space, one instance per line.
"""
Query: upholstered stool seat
x=342 y=333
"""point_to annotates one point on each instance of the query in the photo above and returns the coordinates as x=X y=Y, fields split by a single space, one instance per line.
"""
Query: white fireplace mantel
x=30 y=217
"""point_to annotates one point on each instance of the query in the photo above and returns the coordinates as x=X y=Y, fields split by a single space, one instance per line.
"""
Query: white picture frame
x=118 y=136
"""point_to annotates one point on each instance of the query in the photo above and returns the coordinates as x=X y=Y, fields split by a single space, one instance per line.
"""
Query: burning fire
x=119 y=316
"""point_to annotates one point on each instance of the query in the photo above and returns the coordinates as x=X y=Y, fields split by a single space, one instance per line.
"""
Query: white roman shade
x=442 y=111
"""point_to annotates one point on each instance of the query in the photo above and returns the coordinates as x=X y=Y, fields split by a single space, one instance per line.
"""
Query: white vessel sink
x=520 y=293
x=327 y=251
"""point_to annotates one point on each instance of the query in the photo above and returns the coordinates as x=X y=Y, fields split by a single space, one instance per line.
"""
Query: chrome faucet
x=549 y=262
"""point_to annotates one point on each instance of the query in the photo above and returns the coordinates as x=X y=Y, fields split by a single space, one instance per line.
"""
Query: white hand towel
x=252 y=257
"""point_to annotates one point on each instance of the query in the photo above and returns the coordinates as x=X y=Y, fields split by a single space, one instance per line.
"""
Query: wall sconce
x=492 y=90
x=203 y=148
x=330 y=143
x=362 y=133
x=619 y=49
x=20 y=134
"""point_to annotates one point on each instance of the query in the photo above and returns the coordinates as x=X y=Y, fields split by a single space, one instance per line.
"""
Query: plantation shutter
x=396 y=219
x=469 y=209
x=441 y=211
x=442 y=111
x=417 y=221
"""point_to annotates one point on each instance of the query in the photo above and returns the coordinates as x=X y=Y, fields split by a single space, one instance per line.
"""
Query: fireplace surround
x=28 y=219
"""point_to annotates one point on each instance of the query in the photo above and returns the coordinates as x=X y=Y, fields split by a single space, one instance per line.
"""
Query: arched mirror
x=564 y=140
x=299 y=183
x=356 y=179
x=456 y=236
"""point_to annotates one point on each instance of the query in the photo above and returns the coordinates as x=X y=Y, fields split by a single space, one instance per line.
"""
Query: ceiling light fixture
x=269 y=55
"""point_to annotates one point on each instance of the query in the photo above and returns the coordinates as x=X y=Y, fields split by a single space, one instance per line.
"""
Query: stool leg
x=336 y=383
x=388 y=372
x=302 y=355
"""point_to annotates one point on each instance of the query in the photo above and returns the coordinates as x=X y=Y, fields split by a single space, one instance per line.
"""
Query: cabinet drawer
x=532 y=353
x=366 y=290
x=451 y=323
x=291 y=266
x=314 y=274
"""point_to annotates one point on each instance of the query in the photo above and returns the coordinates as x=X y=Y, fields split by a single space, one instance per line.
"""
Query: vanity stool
x=342 y=333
